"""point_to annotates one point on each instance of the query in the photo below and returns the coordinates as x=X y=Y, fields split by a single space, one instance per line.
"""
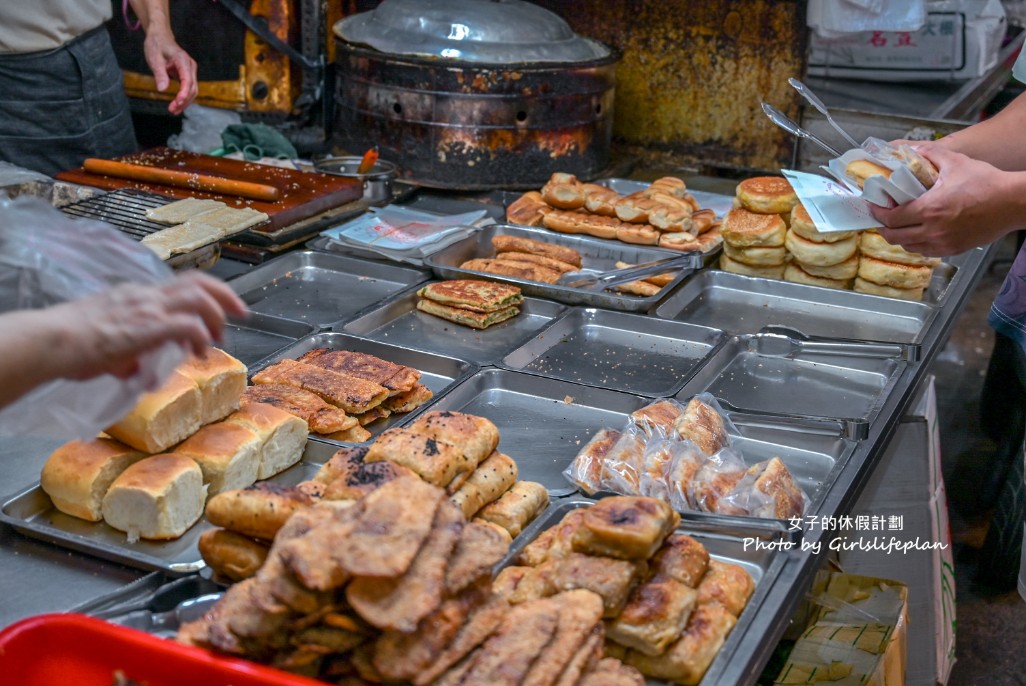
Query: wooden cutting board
x=302 y=194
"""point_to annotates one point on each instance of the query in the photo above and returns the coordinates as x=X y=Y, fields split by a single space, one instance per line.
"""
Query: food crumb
x=568 y=399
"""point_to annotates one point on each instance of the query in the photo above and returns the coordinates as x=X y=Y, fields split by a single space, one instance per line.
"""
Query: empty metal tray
x=321 y=288
x=259 y=335
x=596 y=254
x=31 y=512
x=401 y=323
x=742 y=304
x=626 y=352
x=542 y=422
x=438 y=372
x=764 y=373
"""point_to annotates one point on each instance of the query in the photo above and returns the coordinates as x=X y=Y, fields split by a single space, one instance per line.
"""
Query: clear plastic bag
x=586 y=469
x=48 y=258
x=657 y=419
x=655 y=464
x=622 y=471
x=687 y=460
x=767 y=490
x=705 y=424
x=716 y=479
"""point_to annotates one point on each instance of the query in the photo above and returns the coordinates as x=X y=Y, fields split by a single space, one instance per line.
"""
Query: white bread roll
x=863 y=286
x=228 y=454
x=744 y=229
x=894 y=274
x=821 y=254
x=794 y=273
x=221 y=380
x=283 y=436
x=729 y=265
x=801 y=224
x=757 y=256
x=159 y=497
x=162 y=418
x=77 y=475
x=767 y=195
x=874 y=245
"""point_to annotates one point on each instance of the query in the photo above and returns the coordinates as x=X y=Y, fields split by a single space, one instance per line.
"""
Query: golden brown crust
x=396 y=378
x=872 y=244
x=638 y=234
x=258 y=511
x=322 y=417
x=801 y=224
x=352 y=394
x=600 y=200
x=77 y=475
x=475 y=295
x=703 y=426
x=682 y=558
x=756 y=256
x=742 y=228
x=727 y=584
x=541 y=260
x=729 y=265
x=564 y=192
x=767 y=195
x=893 y=274
x=860 y=171
x=843 y=271
x=870 y=288
x=625 y=527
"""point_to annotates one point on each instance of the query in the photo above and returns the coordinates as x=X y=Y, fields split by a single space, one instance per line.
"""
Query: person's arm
x=108 y=332
x=166 y=58
x=1000 y=140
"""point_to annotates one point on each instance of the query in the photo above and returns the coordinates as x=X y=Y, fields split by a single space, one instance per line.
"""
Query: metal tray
x=259 y=335
x=744 y=305
x=321 y=288
x=724 y=541
x=31 y=512
x=596 y=254
x=400 y=322
x=626 y=352
x=438 y=372
x=542 y=422
x=761 y=373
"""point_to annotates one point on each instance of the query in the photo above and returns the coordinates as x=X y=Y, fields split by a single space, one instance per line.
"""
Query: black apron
x=58 y=107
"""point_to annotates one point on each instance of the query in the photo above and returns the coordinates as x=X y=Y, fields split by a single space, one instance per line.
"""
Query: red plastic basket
x=56 y=649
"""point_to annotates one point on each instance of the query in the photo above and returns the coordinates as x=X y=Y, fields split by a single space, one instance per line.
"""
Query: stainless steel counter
x=38 y=577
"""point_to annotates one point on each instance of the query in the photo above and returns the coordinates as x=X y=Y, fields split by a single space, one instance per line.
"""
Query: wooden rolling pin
x=179 y=179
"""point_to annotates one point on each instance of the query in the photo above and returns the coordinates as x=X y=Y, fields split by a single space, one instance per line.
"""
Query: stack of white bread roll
x=754 y=232
x=151 y=473
x=769 y=234
x=890 y=270
x=830 y=259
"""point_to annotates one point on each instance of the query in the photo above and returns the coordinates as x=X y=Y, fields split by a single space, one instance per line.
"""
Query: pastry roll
x=586 y=469
x=478 y=436
x=517 y=507
x=434 y=460
x=682 y=558
x=655 y=615
x=553 y=543
x=625 y=527
x=486 y=484
x=703 y=426
x=686 y=660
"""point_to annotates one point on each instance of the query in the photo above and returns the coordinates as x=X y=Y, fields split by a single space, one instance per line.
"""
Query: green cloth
x=256 y=141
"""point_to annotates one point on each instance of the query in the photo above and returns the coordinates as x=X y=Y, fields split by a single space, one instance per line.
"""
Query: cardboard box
x=959 y=41
x=858 y=637
x=908 y=484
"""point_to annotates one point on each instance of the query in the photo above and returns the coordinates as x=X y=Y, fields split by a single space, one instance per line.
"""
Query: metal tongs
x=789 y=125
x=581 y=279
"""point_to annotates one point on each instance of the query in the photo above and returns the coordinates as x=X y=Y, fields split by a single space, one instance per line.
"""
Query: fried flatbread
x=518 y=244
x=612 y=672
x=181 y=211
x=408 y=401
x=373 y=415
x=479 y=549
x=401 y=603
x=478 y=436
x=352 y=394
x=322 y=417
x=342 y=463
x=482 y=622
x=585 y=659
x=458 y=315
x=356 y=434
x=478 y=296
x=396 y=378
x=363 y=480
x=580 y=612
x=512 y=268
x=436 y=461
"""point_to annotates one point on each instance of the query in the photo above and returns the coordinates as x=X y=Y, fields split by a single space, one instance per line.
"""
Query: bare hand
x=972 y=204
x=169 y=61
x=109 y=332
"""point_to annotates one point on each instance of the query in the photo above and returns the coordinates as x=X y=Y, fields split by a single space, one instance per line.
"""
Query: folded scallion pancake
x=479 y=296
x=475 y=320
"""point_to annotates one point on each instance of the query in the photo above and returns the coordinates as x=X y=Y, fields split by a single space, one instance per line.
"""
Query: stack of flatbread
x=477 y=304
x=196 y=223
x=395 y=588
x=338 y=392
